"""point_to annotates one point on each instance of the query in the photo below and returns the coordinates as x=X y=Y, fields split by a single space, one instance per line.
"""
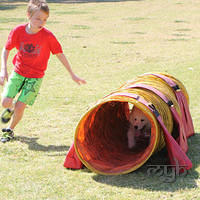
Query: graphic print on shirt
x=28 y=49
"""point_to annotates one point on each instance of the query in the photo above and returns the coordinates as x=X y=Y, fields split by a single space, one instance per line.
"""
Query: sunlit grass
x=107 y=43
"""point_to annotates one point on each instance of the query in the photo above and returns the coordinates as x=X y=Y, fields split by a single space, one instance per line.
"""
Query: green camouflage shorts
x=27 y=87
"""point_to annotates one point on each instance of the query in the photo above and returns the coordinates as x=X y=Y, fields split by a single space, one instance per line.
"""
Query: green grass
x=13 y=20
x=107 y=43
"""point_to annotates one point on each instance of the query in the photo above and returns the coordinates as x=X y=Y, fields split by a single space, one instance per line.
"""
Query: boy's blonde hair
x=35 y=5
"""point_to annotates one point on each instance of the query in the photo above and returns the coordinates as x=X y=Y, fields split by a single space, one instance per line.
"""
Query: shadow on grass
x=139 y=179
x=87 y=1
x=33 y=145
x=68 y=1
x=7 y=6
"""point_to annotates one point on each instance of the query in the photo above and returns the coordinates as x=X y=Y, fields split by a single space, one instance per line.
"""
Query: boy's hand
x=78 y=80
x=3 y=76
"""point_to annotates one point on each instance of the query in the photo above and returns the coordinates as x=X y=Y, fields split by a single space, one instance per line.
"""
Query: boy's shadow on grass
x=35 y=146
x=139 y=179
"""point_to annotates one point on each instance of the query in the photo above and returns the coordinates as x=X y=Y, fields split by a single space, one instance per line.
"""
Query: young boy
x=34 y=43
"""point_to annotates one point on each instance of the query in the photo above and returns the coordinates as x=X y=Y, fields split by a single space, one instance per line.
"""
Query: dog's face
x=138 y=119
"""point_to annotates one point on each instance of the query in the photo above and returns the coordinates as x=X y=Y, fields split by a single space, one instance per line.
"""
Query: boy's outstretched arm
x=64 y=61
x=4 y=72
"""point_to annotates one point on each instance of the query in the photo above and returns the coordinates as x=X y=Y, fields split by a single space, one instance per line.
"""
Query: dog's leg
x=131 y=138
x=148 y=130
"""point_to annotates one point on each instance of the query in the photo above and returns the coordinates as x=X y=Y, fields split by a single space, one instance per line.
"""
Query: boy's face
x=38 y=20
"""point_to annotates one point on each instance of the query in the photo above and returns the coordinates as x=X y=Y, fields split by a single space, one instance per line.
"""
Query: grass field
x=107 y=43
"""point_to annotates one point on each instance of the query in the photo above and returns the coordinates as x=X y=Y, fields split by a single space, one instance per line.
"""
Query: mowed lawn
x=107 y=43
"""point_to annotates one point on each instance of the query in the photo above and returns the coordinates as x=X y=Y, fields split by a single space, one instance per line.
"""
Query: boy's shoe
x=6 y=115
x=8 y=135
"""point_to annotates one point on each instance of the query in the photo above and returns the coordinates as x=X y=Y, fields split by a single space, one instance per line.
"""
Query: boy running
x=34 y=43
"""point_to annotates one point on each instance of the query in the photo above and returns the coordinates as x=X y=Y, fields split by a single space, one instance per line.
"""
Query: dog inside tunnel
x=102 y=141
x=123 y=129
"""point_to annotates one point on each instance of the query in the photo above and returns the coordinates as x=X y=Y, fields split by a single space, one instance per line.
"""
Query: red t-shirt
x=33 y=50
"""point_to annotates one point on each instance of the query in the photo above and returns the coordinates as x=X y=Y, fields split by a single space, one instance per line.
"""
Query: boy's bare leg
x=18 y=114
x=15 y=113
x=18 y=108
x=7 y=103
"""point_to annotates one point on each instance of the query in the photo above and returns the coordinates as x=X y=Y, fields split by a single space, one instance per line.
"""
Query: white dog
x=138 y=125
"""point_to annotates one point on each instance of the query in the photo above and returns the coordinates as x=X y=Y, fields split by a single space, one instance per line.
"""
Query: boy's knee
x=7 y=102
x=20 y=106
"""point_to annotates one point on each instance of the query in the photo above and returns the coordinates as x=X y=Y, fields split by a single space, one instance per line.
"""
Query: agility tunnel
x=100 y=141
